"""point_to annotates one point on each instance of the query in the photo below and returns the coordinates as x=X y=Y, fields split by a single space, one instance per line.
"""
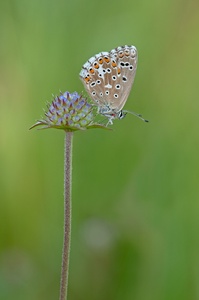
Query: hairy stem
x=67 y=215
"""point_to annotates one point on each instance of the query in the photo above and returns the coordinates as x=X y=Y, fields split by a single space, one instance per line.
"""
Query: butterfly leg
x=110 y=121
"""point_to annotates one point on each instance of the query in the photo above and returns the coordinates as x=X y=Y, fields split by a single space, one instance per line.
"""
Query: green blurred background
x=135 y=189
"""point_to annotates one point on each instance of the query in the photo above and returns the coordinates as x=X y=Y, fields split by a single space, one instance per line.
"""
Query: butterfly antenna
x=135 y=114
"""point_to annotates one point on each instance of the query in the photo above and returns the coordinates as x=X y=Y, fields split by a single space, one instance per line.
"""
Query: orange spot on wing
x=96 y=66
x=127 y=53
x=114 y=64
x=100 y=60
x=92 y=71
x=87 y=79
x=118 y=71
x=121 y=54
x=107 y=60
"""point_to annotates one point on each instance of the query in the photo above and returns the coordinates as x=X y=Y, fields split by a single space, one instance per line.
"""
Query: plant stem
x=67 y=215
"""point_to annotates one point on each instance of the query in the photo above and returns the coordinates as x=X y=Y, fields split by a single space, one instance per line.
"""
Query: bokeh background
x=135 y=231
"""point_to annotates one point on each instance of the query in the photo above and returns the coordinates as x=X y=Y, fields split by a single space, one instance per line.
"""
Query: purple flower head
x=70 y=112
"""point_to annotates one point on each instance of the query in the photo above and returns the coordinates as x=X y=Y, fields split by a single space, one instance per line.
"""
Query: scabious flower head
x=70 y=112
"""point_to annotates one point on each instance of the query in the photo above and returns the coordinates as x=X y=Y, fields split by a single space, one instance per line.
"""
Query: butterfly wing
x=126 y=58
x=108 y=77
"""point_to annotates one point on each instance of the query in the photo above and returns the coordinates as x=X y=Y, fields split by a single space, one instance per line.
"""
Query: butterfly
x=108 y=78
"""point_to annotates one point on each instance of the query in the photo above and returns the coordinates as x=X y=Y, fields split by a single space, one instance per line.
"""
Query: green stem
x=67 y=215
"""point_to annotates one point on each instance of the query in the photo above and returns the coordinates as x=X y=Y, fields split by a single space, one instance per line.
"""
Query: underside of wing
x=108 y=76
